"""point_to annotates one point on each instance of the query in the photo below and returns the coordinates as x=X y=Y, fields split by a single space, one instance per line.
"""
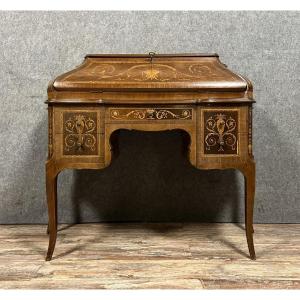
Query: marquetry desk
x=191 y=92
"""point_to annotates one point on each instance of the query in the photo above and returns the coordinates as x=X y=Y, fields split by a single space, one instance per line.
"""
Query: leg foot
x=52 y=241
x=251 y=245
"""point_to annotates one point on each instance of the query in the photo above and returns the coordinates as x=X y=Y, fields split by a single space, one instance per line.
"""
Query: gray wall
x=151 y=180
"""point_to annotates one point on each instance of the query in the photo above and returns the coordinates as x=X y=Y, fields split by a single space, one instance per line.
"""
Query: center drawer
x=149 y=114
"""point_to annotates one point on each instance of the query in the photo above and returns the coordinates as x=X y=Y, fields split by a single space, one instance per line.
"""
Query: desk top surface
x=131 y=73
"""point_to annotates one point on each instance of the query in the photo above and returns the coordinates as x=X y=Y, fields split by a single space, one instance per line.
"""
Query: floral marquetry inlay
x=183 y=71
x=151 y=114
x=220 y=132
x=80 y=133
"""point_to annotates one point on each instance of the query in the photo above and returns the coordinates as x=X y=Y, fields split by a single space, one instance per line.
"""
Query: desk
x=196 y=93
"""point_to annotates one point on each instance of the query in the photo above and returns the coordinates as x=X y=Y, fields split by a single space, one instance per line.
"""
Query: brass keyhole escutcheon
x=151 y=54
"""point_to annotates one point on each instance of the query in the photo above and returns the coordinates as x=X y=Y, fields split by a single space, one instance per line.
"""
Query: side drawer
x=77 y=131
x=221 y=128
x=80 y=133
x=223 y=133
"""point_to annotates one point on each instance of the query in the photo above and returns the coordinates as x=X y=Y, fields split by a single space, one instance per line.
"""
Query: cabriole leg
x=51 y=189
x=249 y=174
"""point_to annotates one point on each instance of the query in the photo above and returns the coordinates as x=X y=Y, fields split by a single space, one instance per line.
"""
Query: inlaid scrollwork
x=220 y=132
x=162 y=72
x=80 y=136
x=150 y=114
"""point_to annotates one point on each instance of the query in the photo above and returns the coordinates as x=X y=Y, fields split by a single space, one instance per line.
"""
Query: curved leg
x=249 y=174
x=51 y=189
x=246 y=204
x=55 y=189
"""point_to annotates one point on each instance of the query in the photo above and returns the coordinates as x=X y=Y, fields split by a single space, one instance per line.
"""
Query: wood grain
x=139 y=256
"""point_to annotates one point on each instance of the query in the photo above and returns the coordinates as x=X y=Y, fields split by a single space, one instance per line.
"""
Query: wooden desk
x=192 y=92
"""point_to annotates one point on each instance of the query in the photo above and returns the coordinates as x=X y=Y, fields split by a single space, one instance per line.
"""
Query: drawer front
x=150 y=114
x=221 y=131
x=80 y=133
